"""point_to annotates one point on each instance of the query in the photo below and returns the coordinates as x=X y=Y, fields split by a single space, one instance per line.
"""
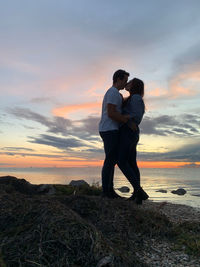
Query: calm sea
x=151 y=180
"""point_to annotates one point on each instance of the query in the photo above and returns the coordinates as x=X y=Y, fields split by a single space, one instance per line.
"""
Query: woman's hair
x=137 y=87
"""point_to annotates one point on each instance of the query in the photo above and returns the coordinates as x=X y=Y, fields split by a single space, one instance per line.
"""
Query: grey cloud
x=179 y=130
x=88 y=129
x=148 y=126
x=192 y=165
x=60 y=125
x=186 y=62
x=192 y=129
x=171 y=17
x=90 y=124
x=55 y=125
x=25 y=113
x=162 y=125
x=188 y=153
x=16 y=148
x=93 y=150
x=32 y=155
x=106 y=26
x=28 y=127
x=189 y=58
x=58 y=142
x=165 y=120
x=165 y=125
x=192 y=118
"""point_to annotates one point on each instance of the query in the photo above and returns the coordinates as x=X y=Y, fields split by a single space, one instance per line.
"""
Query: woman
x=129 y=137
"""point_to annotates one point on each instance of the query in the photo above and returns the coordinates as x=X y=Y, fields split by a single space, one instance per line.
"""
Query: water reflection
x=152 y=180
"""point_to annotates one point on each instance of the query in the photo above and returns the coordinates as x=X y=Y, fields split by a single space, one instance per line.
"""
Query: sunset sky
x=57 y=58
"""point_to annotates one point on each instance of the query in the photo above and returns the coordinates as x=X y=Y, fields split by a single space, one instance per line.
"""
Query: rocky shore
x=70 y=225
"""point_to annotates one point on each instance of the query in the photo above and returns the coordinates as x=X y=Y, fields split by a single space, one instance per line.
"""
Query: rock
x=20 y=185
x=162 y=191
x=124 y=189
x=12 y=184
x=78 y=183
x=46 y=189
x=179 y=192
x=106 y=261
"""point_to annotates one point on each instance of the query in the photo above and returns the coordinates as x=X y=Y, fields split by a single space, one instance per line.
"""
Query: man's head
x=120 y=78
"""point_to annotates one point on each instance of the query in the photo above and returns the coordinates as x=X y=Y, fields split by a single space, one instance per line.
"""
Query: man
x=111 y=117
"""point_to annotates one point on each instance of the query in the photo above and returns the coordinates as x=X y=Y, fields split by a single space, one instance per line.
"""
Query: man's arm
x=115 y=115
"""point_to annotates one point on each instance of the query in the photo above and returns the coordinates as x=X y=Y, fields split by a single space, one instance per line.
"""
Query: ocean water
x=151 y=179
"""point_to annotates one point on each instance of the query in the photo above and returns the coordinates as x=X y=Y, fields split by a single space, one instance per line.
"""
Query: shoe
x=139 y=196
x=145 y=196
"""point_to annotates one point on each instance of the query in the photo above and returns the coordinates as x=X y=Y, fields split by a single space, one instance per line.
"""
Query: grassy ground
x=76 y=227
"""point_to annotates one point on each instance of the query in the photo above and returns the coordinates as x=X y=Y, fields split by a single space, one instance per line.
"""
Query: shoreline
x=174 y=212
x=153 y=180
x=170 y=209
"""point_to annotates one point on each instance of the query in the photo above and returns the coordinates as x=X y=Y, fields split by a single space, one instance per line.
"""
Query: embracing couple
x=119 y=131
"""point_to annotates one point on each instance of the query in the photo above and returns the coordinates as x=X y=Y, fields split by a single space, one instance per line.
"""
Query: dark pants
x=111 y=142
x=127 y=153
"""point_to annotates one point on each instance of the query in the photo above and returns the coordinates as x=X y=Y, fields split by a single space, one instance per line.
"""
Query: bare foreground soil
x=77 y=227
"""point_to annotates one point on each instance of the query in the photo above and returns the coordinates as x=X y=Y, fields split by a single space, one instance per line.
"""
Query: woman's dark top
x=135 y=108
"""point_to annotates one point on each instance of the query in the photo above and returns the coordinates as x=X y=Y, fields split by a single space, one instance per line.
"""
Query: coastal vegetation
x=75 y=226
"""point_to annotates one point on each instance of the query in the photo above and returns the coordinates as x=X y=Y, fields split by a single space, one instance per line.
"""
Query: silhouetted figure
x=129 y=137
x=111 y=117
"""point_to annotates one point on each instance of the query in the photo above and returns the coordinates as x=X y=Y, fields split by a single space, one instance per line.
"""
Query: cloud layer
x=81 y=138
x=57 y=59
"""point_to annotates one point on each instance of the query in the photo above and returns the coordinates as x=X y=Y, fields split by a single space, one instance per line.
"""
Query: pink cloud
x=180 y=85
x=185 y=83
x=85 y=107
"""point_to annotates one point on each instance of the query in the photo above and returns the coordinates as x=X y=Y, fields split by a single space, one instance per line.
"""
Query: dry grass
x=81 y=229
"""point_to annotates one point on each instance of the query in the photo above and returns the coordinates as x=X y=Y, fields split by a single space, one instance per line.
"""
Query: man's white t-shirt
x=112 y=96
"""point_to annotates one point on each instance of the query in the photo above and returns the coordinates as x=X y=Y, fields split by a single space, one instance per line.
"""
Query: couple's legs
x=127 y=155
x=133 y=161
x=111 y=141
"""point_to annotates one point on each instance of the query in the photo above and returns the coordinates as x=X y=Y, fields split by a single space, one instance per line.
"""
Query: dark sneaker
x=141 y=192
x=145 y=196
x=139 y=196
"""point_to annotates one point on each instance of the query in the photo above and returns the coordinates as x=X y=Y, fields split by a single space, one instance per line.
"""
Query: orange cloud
x=181 y=84
x=66 y=110
x=184 y=84
x=155 y=90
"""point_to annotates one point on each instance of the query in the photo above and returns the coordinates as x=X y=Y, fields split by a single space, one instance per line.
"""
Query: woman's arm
x=137 y=108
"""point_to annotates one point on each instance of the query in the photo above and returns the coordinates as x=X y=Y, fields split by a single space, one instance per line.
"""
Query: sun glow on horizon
x=46 y=162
